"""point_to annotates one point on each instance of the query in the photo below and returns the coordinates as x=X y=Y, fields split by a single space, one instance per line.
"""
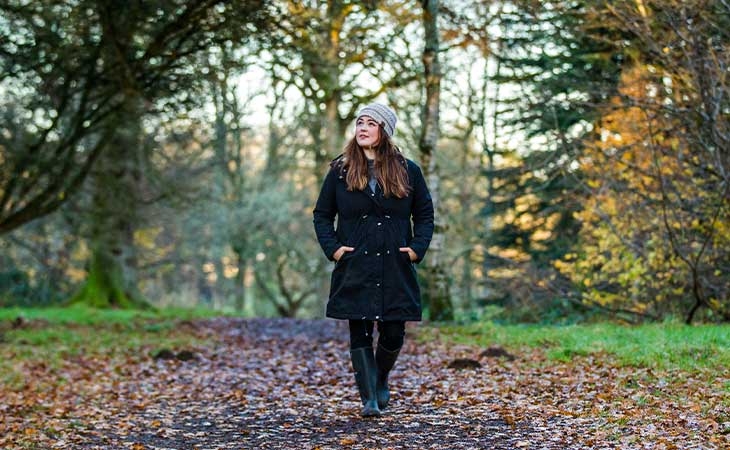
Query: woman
x=374 y=192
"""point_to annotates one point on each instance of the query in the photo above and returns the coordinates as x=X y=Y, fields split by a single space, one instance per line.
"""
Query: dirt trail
x=288 y=384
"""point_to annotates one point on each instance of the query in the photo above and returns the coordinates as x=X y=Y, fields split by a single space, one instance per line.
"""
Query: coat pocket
x=343 y=258
x=405 y=256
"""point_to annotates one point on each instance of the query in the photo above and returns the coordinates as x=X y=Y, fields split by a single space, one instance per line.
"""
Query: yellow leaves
x=715 y=304
x=625 y=256
x=525 y=202
x=146 y=237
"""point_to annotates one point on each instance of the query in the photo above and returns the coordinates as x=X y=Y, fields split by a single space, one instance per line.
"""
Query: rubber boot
x=384 y=359
x=363 y=362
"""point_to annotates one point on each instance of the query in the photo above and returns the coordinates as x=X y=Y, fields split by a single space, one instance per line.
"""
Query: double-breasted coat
x=375 y=281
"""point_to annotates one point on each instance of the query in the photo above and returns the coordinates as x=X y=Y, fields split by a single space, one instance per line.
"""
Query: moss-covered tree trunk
x=114 y=214
x=116 y=179
x=106 y=285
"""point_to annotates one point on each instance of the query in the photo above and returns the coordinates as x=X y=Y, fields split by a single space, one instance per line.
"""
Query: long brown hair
x=390 y=167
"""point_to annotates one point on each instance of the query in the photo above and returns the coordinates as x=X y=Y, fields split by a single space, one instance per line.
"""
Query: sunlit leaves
x=654 y=238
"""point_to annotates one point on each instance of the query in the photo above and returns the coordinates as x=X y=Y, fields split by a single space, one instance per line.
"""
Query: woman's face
x=367 y=132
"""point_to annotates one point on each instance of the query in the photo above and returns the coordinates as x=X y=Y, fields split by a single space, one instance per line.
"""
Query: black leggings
x=390 y=333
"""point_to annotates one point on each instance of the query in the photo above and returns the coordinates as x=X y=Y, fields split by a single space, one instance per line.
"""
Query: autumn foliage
x=655 y=238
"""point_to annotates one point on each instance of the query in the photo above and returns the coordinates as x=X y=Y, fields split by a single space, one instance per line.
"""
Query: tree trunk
x=112 y=277
x=436 y=282
x=465 y=196
x=489 y=153
x=107 y=285
x=333 y=135
x=328 y=77
x=240 y=289
x=273 y=164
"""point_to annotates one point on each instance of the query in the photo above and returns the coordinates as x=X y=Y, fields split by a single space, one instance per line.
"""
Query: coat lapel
x=375 y=198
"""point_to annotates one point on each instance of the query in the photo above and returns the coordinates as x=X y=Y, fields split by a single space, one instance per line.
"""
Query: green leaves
x=74 y=67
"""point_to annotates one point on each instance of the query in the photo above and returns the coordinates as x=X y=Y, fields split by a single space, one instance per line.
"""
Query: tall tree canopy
x=68 y=71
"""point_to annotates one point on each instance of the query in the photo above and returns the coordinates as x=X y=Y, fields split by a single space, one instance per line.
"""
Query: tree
x=555 y=65
x=101 y=67
x=437 y=283
x=655 y=237
x=339 y=55
x=60 y=84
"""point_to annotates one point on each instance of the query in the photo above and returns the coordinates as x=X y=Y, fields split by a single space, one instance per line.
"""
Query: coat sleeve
x=324 y=214
x=421 y=214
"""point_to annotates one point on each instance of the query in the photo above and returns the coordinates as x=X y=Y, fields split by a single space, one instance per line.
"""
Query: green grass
x=661 y=346
x=78 y=330
x=51 y=335
x=90 y=316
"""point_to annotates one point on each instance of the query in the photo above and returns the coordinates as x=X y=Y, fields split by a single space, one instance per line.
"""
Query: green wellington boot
x=363 y=362
x=384 y=359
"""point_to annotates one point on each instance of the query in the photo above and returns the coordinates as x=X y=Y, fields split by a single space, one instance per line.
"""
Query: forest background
x=169 y=153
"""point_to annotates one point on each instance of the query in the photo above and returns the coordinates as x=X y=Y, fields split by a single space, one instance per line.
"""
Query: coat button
x=380 y=223
x=388 y=252
x=377 y=317
x=378 y=254
x=372 y=195
x=377 y=284
x=366 y=252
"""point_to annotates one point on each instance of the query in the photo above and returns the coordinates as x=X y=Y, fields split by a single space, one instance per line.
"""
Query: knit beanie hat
x=382 y=114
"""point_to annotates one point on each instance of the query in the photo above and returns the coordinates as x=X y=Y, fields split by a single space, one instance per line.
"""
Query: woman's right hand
x=341 y=251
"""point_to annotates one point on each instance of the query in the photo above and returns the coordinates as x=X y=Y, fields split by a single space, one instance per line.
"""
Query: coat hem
x=360 y=317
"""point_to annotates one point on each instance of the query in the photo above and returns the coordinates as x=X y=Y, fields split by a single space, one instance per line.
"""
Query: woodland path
x=287 y=384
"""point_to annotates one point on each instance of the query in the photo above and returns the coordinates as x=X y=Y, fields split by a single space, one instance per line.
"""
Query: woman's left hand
x=411 y=254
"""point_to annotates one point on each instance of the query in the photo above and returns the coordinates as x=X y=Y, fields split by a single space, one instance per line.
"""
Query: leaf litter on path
x=288 y=384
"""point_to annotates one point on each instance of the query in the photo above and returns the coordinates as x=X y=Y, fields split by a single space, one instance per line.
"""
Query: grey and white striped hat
x=382 y=114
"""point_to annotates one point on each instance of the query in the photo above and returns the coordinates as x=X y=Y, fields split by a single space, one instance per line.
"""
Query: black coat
x=375 y=281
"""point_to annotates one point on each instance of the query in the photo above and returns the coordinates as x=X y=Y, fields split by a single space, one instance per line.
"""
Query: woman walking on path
x=375 y=193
